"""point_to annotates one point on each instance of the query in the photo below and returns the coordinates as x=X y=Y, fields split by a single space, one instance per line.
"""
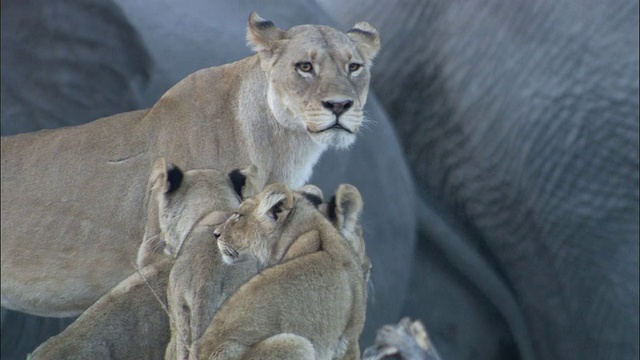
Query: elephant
x=75 y=59
x=521 y=120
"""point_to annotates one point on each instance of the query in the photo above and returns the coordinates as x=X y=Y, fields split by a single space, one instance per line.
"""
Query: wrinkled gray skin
x=42 y=83
x=522 y=119
x=75 y=65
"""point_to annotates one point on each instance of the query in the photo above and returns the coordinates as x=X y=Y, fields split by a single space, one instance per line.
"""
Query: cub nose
x=216 y=233
x=338 y=107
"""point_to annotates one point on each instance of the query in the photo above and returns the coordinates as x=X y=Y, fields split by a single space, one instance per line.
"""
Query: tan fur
x=129 y=322
x=73 y=198
x=318 y=295
x=199 y=281
x=202 y=196
x=344 y=211
x=282 y=346
x=126 y=323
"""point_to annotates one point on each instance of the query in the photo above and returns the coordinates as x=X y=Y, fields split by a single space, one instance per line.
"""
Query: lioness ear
x=366 y=39
x=276 y=202
x=244 y=181
x=312 y=193
x=262 y=34
x=345 y=207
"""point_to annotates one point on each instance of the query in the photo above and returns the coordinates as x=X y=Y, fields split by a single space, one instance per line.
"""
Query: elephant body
x=522 y=119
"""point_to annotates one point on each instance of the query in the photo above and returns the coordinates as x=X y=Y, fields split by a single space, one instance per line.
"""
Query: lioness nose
x=338 y=108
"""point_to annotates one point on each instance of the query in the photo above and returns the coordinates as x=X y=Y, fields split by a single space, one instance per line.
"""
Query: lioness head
x=261 y=223
x=179 y=199
x=318 y=76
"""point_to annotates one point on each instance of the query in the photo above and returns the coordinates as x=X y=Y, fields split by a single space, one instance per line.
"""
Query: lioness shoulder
x=322 y=284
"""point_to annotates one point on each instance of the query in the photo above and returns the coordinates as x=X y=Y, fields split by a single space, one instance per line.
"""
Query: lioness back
x=319 y=295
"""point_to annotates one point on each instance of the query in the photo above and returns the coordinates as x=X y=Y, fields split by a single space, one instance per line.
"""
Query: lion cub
x=200 y=281
x=130 y=321
x=310 y=298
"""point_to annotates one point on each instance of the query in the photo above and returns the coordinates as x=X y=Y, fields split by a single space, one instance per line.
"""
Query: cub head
x=318 y=76
x=178 y=200
x=264 y=227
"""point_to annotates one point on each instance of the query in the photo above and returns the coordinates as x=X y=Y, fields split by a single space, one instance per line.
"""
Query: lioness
x=130 y=321
x=72 y=198
x=311 y=292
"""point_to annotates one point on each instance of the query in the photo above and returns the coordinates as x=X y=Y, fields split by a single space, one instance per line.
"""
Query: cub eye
x=354 y=67
x=305 y=66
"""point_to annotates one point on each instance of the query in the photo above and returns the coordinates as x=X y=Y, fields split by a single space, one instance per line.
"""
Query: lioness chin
x=73 y=199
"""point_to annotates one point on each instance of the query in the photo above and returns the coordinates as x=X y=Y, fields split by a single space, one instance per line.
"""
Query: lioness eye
x=354 y=67
x=305 y=66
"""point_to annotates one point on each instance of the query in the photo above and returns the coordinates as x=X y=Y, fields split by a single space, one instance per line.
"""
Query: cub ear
x=276 y=201
x=366 y=39
x=312 y=193
x=345 y=207
x=344 y=211
x=244 y=181
x=262 y=34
